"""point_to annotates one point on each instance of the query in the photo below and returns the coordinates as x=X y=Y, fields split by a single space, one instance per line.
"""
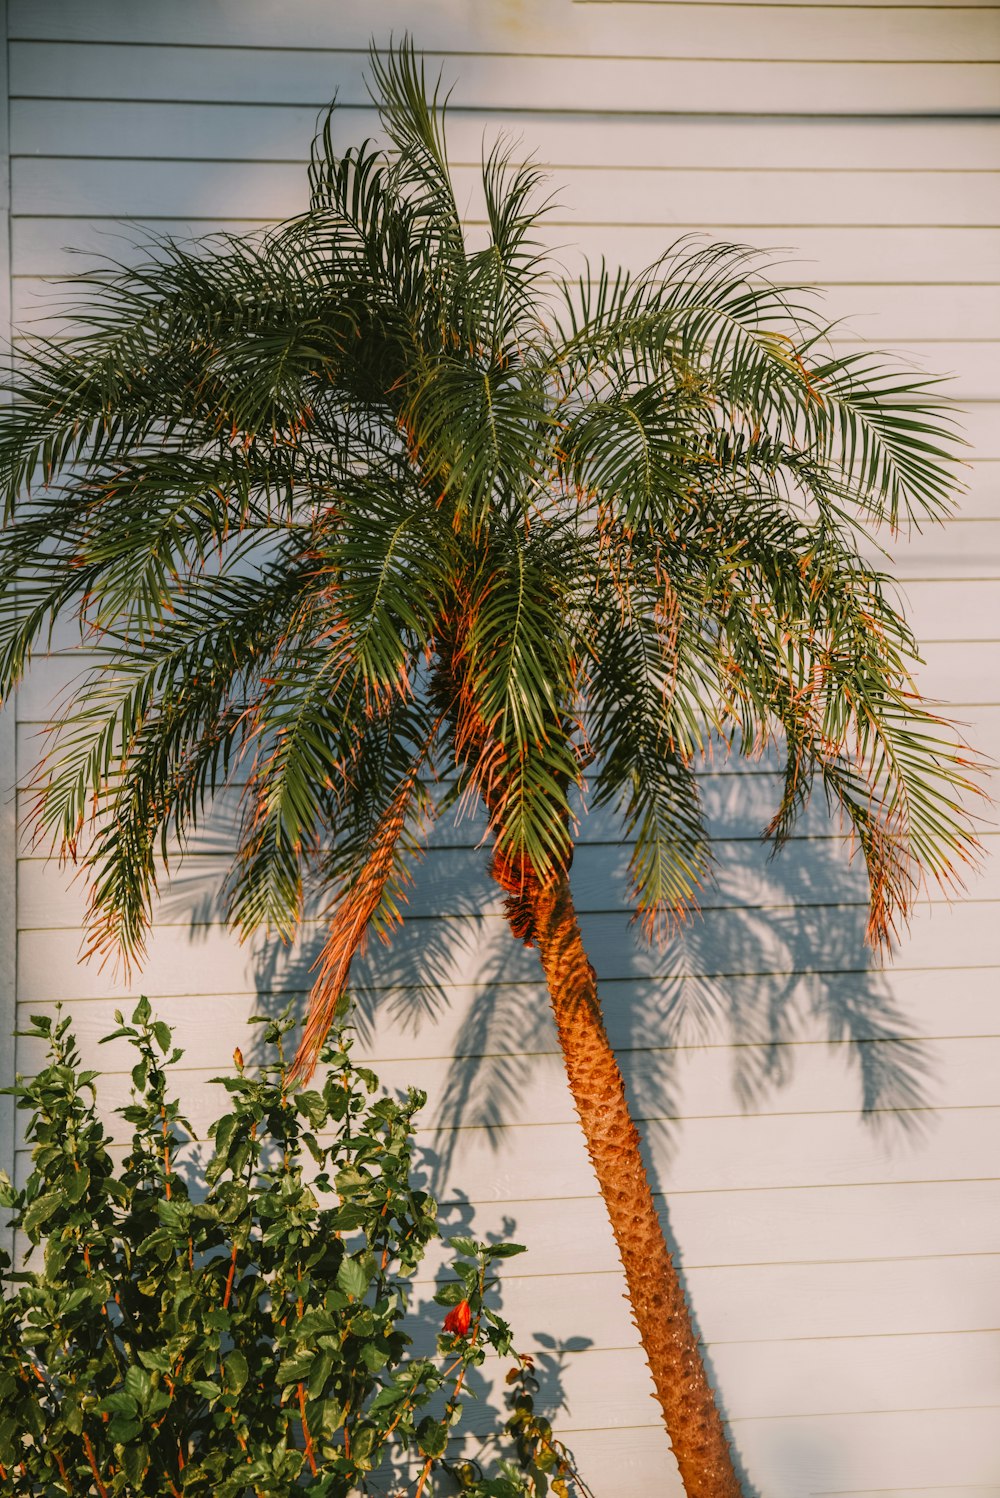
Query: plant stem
x=305 y=1430
x=428 y=1464
x=229 y=1278
x=166 y=1152
x=102 y=1490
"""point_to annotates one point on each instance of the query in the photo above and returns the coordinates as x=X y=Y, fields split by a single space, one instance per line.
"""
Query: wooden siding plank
x=512 y=81
x=471 y=949
x=957 y=667
x=759 y=1150
x=737 y=806
x=611 y=1386
x=508 y=1089
x=923 y=1454
x=893 y=31
x=452 y=880
x=925 y=318
x=780 y=1011
x=744 y=198
x=242 y=132
x=829 y=255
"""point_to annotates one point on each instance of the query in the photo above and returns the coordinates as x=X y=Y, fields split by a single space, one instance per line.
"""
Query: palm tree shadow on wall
x=772 y=968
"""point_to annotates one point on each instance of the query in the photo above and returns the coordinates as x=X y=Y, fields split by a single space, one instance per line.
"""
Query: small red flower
x=457 y=1321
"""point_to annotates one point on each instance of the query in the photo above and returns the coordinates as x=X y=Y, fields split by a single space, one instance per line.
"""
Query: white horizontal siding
x=659 y=196
x=512 y=81
x=8 y=841
x=847 y=33
x=843 y=1272
x=830 y=255
x=465 y=949
x=705 y=143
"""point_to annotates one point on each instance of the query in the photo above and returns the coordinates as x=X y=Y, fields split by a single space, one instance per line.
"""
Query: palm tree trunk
x=659 y=1308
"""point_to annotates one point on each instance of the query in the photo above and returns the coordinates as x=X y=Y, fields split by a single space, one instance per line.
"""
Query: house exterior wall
x=8 y=870
x=844 y=1271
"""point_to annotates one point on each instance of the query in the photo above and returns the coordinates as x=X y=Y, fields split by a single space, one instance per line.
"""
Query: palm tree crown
x=374 y=523
x=351 y=503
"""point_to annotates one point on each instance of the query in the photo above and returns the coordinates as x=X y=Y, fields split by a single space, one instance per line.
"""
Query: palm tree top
x=370 y=521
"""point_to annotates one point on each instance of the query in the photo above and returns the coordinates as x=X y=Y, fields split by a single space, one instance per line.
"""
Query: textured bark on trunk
x=659 y=1308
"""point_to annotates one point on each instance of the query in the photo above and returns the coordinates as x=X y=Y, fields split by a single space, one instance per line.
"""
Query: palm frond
x=353 y=501
x=375 y=884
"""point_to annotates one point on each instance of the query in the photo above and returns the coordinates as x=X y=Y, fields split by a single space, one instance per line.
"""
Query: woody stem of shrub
x=92 y=1463
x=658 y=1304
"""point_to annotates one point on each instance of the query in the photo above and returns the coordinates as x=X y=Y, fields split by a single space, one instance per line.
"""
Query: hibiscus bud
x=457 y=1321
x=238 y=1059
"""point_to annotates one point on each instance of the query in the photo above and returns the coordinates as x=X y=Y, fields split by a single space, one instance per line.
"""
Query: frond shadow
x=773 y=969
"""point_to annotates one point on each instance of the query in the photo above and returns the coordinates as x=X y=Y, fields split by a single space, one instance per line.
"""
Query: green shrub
x=236 y=1326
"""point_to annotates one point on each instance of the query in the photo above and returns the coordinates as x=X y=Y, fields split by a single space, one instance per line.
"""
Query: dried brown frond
x=349 y=929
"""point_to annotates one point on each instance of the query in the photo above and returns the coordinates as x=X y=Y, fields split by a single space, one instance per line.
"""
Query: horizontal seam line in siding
x=950 y=705
x=477 y=223
x=311 y=923
x=926 y=1409
x=224 y=850
x=490 y=54
x=476 y=111
x=428 y=1130
x=547 y=166
x=947 y=1488
x=378 y=1058
x=568 y=1429
x=985 y=1253
x=319 y=922
x=931 y=116
x=91 y=651
x=709 y=1265
x=681 y=1048
x=504 y=1126
x=716 y=840
x=768 y=1341
x=876 y=1185
x=675 y=1191
x=684 y=228
x=376 y=988
x=751 y=772
x=61 y=276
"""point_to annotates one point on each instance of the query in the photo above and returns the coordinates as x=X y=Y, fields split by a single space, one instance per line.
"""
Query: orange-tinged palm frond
x=349 y=928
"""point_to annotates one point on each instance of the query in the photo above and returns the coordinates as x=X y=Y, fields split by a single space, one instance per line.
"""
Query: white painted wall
x=8 y=865
x=845 y=1273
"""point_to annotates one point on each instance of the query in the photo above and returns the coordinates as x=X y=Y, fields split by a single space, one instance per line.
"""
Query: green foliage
x=234 y=1325
x=353 y=503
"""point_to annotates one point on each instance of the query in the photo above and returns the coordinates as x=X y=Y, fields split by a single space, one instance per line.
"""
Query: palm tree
x=381 y=523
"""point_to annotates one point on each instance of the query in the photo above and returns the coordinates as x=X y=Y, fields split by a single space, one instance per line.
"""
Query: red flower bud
x=457 y=1321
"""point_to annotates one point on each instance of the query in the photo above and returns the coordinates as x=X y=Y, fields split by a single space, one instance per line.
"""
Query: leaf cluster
x=362 y=519
x=230 y=1325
